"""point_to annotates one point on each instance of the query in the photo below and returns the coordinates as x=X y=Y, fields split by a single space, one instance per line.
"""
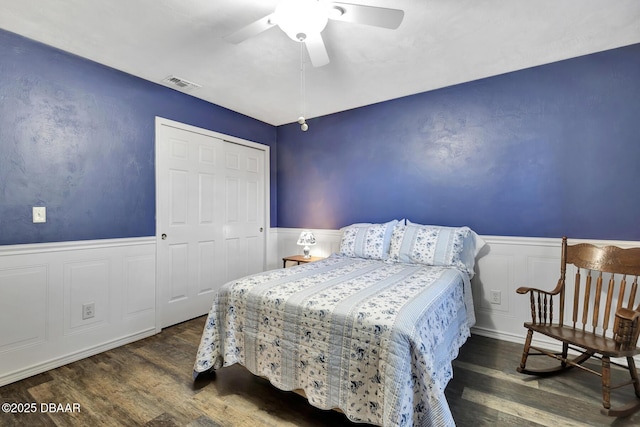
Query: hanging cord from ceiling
x=301 y=120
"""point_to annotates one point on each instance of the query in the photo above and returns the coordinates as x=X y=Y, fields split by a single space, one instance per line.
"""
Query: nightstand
x=299 y=259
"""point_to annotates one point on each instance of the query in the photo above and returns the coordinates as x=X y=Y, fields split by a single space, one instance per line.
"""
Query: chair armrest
x=542 y=302
x=627 y=327
x=556 y=291
x=524 y=290
x=627 y=314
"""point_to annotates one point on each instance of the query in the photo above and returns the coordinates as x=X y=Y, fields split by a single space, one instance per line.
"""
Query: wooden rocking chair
x=588 y=328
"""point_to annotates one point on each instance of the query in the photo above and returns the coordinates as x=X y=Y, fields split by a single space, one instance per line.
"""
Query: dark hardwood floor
x=149 y=383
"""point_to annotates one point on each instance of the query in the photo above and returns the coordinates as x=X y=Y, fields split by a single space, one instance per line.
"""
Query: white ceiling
x=439 y=43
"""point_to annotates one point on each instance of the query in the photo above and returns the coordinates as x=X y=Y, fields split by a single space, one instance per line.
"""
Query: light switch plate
x=39 y=214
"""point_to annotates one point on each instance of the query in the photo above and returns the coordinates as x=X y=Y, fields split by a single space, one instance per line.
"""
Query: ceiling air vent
x=180 y=83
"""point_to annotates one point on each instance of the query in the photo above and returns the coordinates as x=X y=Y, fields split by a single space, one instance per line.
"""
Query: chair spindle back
x=594 y=306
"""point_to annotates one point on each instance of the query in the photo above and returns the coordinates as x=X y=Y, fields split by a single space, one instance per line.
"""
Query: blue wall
x=548 y=151
x=78 y=138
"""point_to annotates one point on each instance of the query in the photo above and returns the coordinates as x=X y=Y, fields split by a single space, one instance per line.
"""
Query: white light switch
x=39 y=214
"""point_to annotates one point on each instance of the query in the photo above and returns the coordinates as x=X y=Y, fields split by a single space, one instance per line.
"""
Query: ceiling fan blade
x=317 y=50
x=250 y=30
x=368 y=15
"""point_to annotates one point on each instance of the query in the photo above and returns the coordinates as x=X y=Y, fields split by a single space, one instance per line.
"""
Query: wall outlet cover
x=88 y=311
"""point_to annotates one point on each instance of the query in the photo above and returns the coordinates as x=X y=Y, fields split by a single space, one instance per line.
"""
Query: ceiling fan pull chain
x=302 y=120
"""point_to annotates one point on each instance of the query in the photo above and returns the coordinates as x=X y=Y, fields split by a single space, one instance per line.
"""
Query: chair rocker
x=590 y=329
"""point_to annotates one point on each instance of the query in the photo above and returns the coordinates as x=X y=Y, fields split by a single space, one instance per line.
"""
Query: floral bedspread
x=372 y=338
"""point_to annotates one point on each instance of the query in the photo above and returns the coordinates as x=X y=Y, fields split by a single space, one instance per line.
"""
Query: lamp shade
x=306 y=238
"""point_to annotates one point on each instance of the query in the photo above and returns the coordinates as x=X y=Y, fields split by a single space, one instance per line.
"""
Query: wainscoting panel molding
x=43 y=288
x=23 y=296
x=139 y=296
x=86 y=282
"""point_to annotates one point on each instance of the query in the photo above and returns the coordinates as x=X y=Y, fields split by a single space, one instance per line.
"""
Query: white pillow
x=434 y=245
x=369 y=241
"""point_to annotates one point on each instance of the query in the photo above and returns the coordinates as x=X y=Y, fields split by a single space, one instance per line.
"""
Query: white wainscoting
x=44 y=286
x=504 y=264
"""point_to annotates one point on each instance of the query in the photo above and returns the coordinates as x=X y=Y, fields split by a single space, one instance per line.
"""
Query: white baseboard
x=29 y=371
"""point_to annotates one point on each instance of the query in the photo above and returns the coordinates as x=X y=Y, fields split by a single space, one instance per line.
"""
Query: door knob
x=261 y=229
x=164 y=236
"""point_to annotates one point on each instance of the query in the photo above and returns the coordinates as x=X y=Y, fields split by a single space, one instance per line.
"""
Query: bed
x=370 y=331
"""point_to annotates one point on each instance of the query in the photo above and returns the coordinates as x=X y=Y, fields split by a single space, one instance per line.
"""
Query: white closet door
x=210 y=218
x=244 y=214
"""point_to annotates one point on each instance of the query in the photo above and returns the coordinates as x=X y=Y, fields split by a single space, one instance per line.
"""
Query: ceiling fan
x=304 y=20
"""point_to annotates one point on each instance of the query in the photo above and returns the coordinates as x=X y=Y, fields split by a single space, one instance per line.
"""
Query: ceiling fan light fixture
x=299 y=18
x=336 y=12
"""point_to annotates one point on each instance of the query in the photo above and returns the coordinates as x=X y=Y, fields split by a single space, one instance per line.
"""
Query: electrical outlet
x=88 y=310
x=496 y=297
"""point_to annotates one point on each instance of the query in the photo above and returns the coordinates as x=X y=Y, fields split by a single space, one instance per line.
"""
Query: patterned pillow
x=367 y=240
x=434 y=245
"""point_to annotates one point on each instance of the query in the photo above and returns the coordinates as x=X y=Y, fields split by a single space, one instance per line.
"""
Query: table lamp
x=306 y=239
